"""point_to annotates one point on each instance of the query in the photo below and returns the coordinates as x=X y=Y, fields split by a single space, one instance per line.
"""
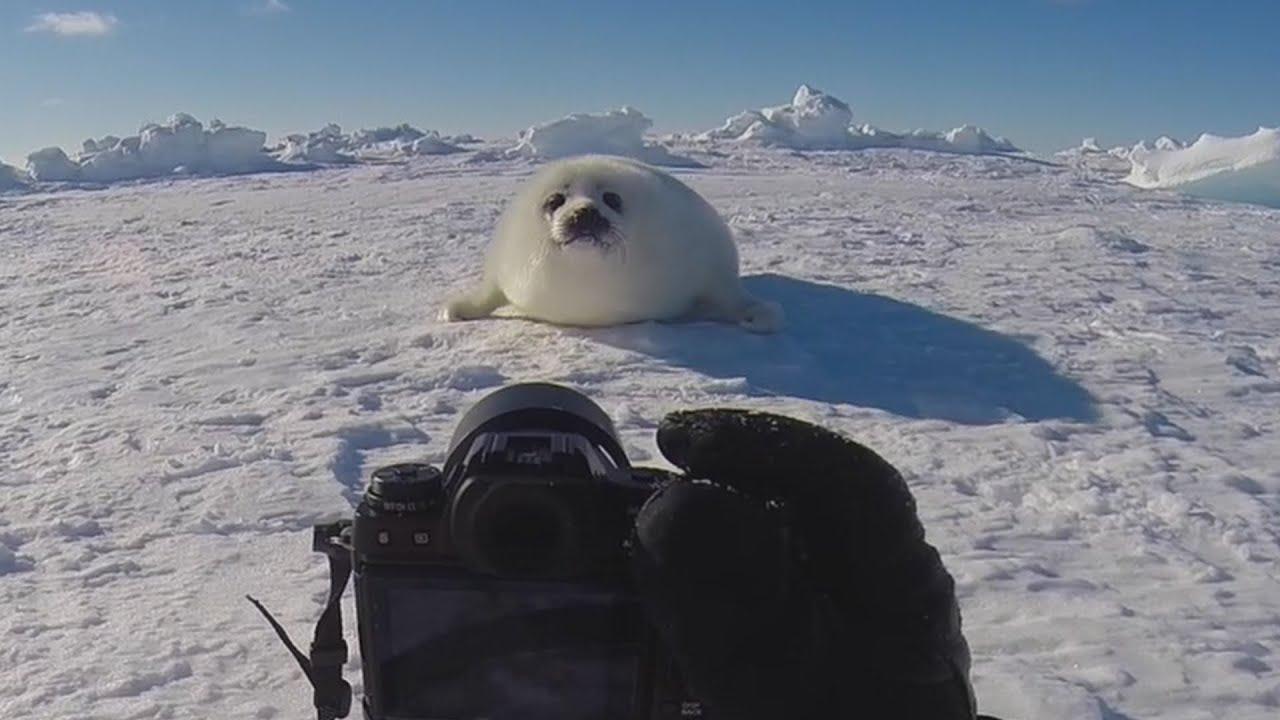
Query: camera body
x=497 y=587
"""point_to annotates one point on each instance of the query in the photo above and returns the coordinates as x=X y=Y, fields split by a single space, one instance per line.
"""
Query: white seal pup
x=599 y=240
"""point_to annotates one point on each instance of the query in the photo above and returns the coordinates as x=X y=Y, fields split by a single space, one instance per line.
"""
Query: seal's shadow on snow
x=842 y=346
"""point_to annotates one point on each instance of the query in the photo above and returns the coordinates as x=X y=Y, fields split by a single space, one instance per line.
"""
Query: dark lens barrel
x=517 y=529
x=540 y=406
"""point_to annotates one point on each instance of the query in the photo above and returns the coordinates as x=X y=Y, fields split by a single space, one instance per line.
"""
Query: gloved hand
x=789 y=576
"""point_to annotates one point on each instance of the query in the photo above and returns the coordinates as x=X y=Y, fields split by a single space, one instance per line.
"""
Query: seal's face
x=585 y=211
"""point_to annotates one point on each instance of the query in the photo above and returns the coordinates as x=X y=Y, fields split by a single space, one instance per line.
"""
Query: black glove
x=789 y=576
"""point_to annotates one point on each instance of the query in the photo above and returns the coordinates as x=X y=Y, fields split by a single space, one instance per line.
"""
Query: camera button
x=681 y=710
x=691 y=709
x=421 y=537
x=384 y=537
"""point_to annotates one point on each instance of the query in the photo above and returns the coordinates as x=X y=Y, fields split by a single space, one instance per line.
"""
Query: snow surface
x=617 y=132
x=815 y=120
x=1244 y=169
x=1078 y=379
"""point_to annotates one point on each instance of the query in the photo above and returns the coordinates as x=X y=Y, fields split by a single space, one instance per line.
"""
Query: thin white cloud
x=52 y=102
x=270 y=7
x=74 y=24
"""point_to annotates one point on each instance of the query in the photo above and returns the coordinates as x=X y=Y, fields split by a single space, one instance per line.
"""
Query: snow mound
x=966 y=140
x=617 y=132
x=181 y=145
x=1242 y=169
x=401 y=140
x=402 y=134
x=432 y=144
x=815 y=120
x=1092 y=156
x=51 y=164
x=11 y=178
x=330 y=146
x=1089 y=147
x=326 y=146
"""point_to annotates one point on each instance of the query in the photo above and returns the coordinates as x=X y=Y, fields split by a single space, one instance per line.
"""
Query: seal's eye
x=613 y=200
x=553 y=203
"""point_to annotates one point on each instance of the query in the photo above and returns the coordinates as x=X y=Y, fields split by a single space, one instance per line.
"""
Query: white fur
x=672 y=256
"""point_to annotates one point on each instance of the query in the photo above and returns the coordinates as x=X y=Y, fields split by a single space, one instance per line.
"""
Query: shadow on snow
x=841 y=346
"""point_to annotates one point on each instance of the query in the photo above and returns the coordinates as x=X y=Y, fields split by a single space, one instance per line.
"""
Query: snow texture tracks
x=1078 y=379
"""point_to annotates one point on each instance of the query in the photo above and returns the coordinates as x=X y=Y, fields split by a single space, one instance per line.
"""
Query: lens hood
x=534 y=406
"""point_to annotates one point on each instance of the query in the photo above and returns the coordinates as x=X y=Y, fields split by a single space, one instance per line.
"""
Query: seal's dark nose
x=587 y=221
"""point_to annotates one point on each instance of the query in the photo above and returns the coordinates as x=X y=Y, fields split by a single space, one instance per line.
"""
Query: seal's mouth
x=588 y=240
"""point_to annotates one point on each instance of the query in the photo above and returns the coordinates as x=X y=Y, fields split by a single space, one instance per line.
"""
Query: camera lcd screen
x=480 y=649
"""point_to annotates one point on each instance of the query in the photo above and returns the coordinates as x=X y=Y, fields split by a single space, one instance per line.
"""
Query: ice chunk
x=1088 y=149
x=179 y=145
x=330 y=146
x=817 y=121
x=11 y=178
x=617 y=132
x=432 y=144
x=976 y=141
x=735 y=127
x=121 y=162
x=233 y=149
x=814 y=118
x=104 y=143
x=51 y=164
x=326 y=146
x=402 y=134
x=1242 y=169
x=966 y=140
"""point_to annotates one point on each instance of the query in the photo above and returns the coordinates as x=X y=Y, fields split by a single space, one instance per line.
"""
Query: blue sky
x=1045 y=73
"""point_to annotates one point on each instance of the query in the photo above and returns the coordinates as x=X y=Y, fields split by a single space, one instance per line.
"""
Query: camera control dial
x=405 y=487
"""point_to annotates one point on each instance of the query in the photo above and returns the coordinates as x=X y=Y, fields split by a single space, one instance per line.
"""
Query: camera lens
x=518 y=530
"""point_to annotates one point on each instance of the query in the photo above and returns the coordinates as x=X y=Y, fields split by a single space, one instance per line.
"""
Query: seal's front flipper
x=479 y=302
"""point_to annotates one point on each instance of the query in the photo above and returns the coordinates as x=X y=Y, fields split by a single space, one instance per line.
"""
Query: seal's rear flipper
x=479 y=302
x=761 y=316
x=748 y=313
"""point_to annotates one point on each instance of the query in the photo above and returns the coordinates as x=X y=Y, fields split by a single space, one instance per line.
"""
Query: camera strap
x=323 y=665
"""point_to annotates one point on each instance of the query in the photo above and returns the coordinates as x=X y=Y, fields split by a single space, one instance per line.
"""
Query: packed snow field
x=1078 y=378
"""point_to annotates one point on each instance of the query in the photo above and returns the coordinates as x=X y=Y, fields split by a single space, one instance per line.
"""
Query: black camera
x=497 y=587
